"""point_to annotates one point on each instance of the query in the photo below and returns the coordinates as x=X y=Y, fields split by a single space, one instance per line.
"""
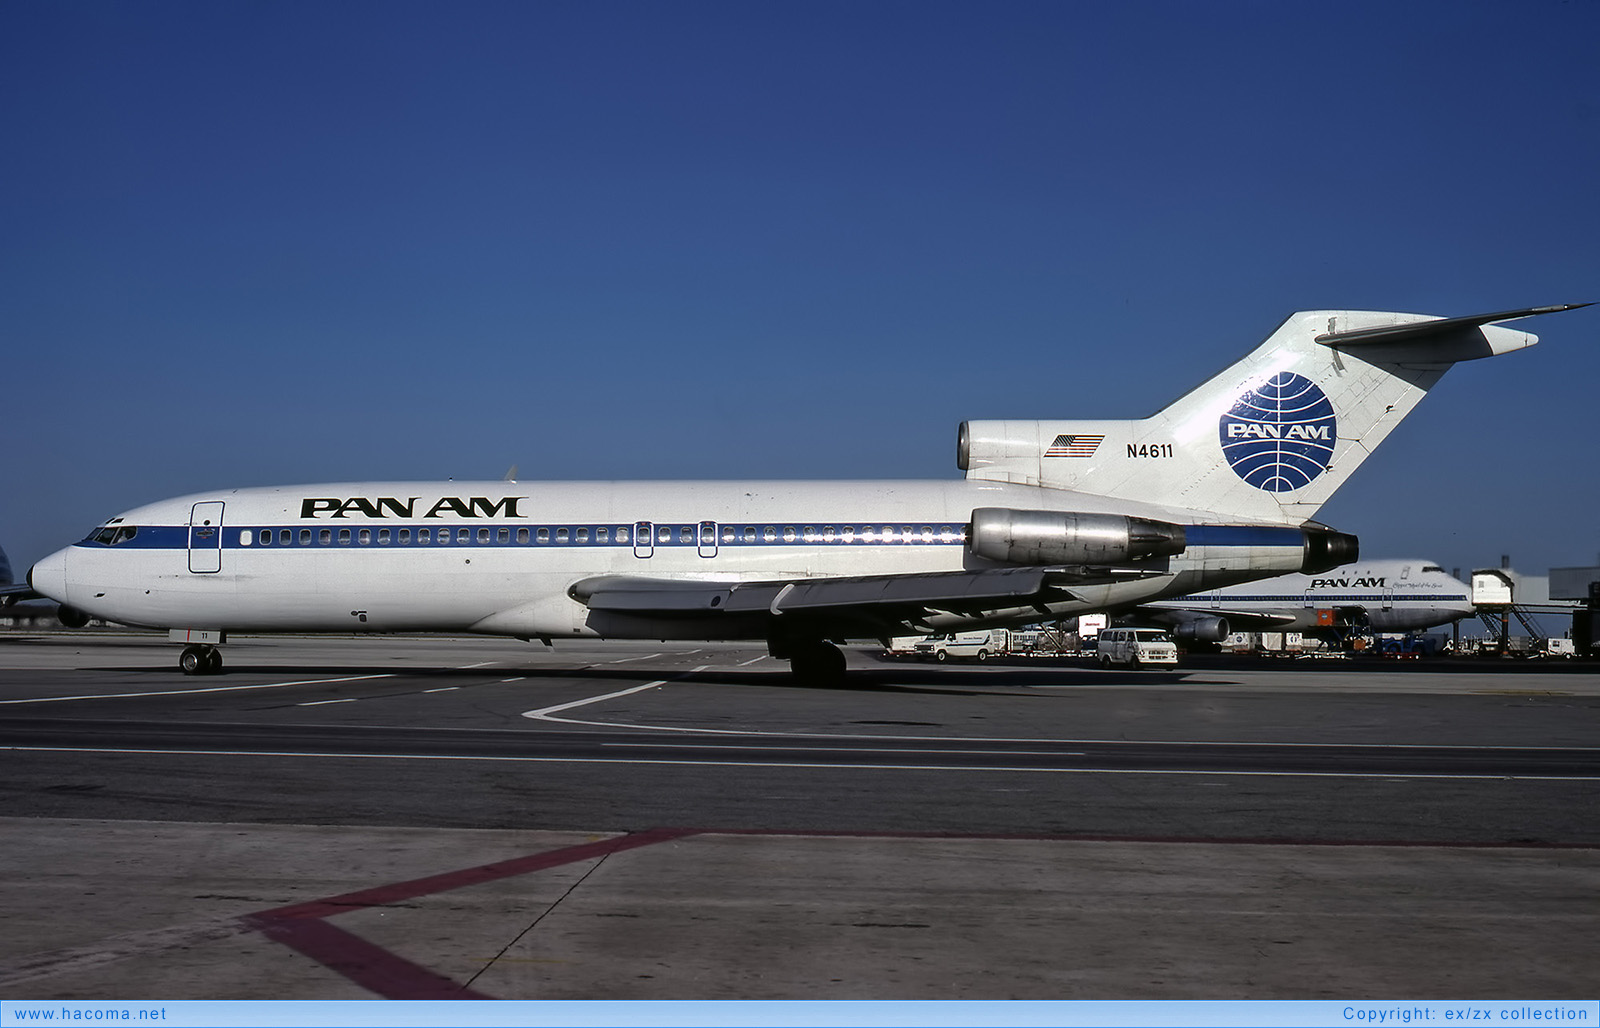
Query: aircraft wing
x=880 y=600
x=1240 y=620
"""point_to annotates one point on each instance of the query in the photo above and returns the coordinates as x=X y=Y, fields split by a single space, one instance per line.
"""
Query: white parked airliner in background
x=1378 y=596
x=1053 y=519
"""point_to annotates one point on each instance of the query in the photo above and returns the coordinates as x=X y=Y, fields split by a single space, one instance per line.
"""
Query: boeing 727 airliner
x=1053 y=519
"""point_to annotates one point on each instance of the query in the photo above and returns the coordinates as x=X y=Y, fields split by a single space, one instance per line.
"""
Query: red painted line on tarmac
x=303 y=928
x=368 y=965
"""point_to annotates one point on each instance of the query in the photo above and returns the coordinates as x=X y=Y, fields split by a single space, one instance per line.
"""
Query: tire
x=942 y=656
x=192 y=661
x=983 y=655
x=214 y=662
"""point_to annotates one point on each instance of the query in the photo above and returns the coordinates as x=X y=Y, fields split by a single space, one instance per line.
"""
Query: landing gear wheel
x=200 y=660
x=192 y=661
x=819 y=664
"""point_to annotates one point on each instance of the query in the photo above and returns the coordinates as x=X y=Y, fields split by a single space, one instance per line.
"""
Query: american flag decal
x=1075 y=446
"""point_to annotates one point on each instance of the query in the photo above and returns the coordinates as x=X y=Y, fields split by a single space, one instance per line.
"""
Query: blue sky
x=251 y=243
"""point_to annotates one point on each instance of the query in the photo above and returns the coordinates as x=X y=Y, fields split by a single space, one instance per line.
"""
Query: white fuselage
x=500 y=557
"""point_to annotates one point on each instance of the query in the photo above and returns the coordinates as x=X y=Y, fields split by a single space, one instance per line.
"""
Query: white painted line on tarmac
x=625 y=660
x=447 y=688
x=752 y=661
x=193 y=692
x=481 y=663
x=323 y=703
x=504 y=681
x=544 y=713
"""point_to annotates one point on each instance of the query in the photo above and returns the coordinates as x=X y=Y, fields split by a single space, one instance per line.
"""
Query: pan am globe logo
x=1280 y=435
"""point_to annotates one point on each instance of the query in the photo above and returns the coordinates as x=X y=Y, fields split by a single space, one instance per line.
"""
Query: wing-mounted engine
x=1052 y=537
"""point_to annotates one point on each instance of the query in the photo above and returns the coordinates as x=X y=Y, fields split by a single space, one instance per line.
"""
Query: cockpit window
x=112 y=535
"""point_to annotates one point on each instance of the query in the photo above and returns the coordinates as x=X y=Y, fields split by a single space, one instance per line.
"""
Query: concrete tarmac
x=181 y=875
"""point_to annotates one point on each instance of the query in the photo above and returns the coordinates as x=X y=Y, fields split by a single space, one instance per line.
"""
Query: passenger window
x=483 y=536
x=664 y=535
x=325 y=536
x=405 y=537
x=522 y=536
x=750 y=533
x=622 y=535
x=927 y=533
x=383 y=537
x=285 y=537
x=344 y=536
x=810 y=534
x=827 y=533
x=504 y=535
x=788 y=534
x=729 y=535
x=583 y=535
x=561 y=535
x=463 y=535
x=686 y=535
x=602 y=535
x=946 y=534
x=266 y=537
x=544 y=535
x=305 y=537
x=366 y=537
x=444 y=537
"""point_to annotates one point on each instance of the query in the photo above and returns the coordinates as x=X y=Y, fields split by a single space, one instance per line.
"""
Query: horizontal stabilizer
x=1413 y=330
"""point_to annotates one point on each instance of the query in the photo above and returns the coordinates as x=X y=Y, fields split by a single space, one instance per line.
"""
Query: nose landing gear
x=200 y=660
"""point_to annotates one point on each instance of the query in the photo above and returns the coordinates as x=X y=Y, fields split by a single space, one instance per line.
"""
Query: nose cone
x=49 y=577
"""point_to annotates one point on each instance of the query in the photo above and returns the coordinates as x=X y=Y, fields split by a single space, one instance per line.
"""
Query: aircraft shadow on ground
x=888 y=678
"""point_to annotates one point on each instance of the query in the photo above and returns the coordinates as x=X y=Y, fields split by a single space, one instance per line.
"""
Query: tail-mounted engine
x=1062 y=537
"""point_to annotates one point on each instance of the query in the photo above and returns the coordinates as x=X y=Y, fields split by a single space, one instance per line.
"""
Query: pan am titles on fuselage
x=1052 y=519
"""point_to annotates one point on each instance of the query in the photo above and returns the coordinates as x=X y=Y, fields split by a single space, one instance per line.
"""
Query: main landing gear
x=200 y=660
x=813 y=662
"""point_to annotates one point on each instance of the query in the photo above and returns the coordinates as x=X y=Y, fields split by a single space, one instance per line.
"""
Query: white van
x=967 y=645
x=1136 y=647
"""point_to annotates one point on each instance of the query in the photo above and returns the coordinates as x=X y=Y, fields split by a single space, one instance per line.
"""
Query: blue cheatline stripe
x=1298 y=598
x=664 y=535
x=1243 y=535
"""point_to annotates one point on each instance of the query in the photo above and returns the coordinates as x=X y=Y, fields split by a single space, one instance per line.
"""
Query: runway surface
x=1478 y=780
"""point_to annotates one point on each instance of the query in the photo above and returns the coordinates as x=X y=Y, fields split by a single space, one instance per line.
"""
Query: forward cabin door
x=205 y=538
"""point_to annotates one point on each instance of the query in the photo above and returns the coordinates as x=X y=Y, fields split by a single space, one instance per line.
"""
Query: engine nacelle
x=1206 y=629
x=1065 y=537
x=1326 y=549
